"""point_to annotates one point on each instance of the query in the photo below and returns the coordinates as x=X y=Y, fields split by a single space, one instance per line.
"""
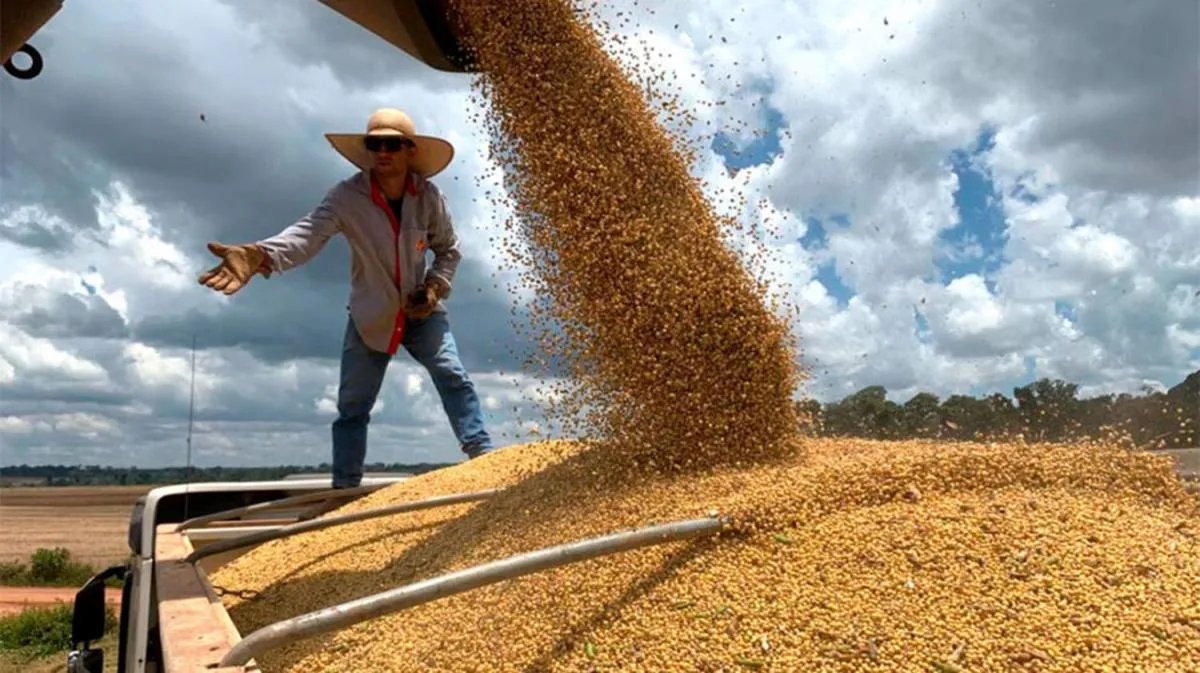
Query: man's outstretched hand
x=238 y=265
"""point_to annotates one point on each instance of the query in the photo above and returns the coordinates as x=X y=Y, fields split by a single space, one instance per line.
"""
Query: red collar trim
x=410 y=186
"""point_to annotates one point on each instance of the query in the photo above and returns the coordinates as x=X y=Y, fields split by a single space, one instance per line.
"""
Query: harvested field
x=72 y=496
x=92 y=521
x=866 y=556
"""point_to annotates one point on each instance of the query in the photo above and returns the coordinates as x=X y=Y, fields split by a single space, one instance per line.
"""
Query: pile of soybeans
x=846 y=555
x=864 y=556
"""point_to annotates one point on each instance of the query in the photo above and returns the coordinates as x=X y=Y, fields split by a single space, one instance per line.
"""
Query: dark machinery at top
x=421 y=28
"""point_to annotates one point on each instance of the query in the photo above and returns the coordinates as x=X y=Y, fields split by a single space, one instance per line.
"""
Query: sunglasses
x=376 y=143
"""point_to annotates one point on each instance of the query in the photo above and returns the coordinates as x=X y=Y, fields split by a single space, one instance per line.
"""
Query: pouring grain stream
x=675 y=358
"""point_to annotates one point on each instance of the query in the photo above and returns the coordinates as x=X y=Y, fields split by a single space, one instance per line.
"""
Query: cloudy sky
x=969 y=194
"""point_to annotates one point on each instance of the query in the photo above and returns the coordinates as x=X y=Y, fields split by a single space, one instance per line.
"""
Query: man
x=390 y=214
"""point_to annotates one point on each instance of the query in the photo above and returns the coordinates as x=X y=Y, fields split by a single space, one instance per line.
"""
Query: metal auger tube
x=352 y=612
x=318 y=524
x=303 y=498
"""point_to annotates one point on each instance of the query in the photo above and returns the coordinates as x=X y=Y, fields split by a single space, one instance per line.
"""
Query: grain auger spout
x=19 y=20
x=421 y=28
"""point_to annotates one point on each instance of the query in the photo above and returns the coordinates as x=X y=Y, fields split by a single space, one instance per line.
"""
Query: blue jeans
x=431 y=343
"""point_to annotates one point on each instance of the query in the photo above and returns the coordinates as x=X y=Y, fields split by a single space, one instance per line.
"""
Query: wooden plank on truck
x=194 y=628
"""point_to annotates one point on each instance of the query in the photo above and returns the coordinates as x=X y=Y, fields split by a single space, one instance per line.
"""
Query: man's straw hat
x=433 y=154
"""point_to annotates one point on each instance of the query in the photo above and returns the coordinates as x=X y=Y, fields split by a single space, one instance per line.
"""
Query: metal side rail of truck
x=167 y=597
x=172 y=620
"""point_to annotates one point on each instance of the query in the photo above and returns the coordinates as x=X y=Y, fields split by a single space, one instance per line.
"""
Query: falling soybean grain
x=683 y=359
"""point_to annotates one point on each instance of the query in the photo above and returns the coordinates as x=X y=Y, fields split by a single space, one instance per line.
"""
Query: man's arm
x=443 y=241
x=302 y=240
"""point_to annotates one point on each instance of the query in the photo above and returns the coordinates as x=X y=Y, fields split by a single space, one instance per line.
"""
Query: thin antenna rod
x=191 y=417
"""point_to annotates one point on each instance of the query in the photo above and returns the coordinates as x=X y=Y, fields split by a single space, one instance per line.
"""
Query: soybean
x=1013 y=557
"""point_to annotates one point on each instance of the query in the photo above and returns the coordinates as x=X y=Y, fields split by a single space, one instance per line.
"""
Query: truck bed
x=194 y=630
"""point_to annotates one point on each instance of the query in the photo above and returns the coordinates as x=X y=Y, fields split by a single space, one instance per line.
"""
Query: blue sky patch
x=815 y=240
x=1030 y=369
x=815 y=237
x=828 y=276
x=762 y=149
x=975 y=244
x=922 y=329
x=1065 y=310
x=91 y=289
x=1020 y=192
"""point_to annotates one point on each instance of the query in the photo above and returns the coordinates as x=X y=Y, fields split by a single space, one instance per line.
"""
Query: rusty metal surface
x=22 y=19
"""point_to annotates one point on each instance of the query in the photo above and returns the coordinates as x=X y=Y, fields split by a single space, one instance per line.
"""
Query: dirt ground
x=16 y=599
x=91 y=521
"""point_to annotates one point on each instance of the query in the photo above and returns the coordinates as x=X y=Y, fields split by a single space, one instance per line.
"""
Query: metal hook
x=34 y=69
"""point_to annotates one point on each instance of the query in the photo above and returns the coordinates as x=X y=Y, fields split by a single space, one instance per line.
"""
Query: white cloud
x=412 y=384
x=87 y=426
x=128 y=255
x=40 y=359
x=15 y=425
x=170 y=376
x=872 y=112
x=129 y=228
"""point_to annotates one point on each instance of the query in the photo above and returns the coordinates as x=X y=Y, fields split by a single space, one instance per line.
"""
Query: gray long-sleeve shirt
x=388 y=259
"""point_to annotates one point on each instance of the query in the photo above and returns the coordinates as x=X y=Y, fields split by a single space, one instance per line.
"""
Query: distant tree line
x=97 y=475
x=1046 y=410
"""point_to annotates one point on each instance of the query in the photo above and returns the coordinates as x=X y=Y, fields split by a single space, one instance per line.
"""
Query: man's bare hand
x=238 y=265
